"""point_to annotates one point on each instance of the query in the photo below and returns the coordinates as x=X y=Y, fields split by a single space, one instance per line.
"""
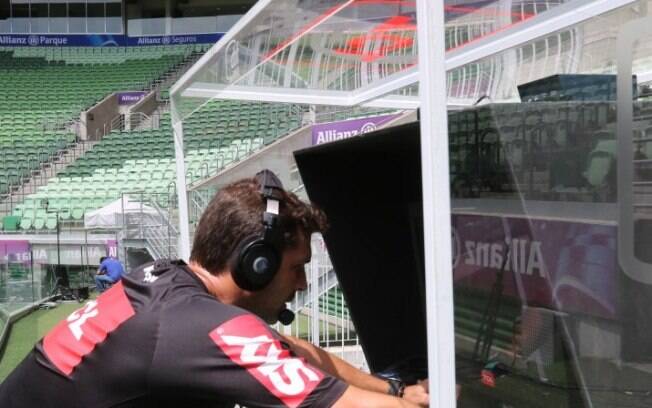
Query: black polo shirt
x=159 y=339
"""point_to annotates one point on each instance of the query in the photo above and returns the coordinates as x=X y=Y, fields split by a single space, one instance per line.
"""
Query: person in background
x=109 y=272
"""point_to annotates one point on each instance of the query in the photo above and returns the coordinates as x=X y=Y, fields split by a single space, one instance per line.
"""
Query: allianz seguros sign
x=332 y=131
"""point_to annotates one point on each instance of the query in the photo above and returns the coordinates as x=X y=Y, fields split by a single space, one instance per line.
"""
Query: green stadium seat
x=10 y=223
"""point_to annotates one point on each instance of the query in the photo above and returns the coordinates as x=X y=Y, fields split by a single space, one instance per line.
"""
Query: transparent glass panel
x=326 y=45
x=77 y=17
x=96 y=17
x=5 y=14
x=340 y=47
x=497 y=78
x=146 y=18
x=135 y=27
x=146 y=26
x=194 y=25
x=16 y=275
x=468 y=21
x=113 y=18
x=39 y=17
x=548 y=187
x=225 y=22
x=58 y=18
x=20 y=17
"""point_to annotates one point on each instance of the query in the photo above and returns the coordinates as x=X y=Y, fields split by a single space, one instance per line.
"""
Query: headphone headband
x=271 y=189
x=270 y=184
x=259 y=257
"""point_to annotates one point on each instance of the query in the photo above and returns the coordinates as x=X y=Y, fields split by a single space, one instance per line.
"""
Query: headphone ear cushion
x=257 y=265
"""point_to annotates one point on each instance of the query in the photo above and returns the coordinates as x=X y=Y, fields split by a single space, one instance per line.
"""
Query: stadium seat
x=10 y=223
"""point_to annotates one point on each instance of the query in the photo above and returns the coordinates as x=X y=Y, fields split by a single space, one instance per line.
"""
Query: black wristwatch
x=396 y=387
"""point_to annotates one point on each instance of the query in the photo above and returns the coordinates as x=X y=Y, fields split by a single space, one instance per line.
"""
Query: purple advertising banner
x=15 y=252
x=566 y=266
x=130 y=98
x=332 y=131
x=112 y=248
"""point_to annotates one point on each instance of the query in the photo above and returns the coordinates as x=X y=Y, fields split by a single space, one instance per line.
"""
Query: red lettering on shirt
x=85 y=328
x=250 y=344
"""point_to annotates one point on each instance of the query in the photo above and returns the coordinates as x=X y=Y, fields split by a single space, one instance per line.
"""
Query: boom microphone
x=286 y=317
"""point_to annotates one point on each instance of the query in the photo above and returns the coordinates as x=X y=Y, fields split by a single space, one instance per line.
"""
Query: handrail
x=118 y=122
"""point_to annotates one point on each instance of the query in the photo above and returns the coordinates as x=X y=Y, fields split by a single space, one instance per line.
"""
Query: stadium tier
x=332 y=303
x=43 y=91
x=220 y=133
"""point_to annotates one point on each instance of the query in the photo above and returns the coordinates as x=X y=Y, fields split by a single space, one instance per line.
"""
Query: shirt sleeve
x=239 y=359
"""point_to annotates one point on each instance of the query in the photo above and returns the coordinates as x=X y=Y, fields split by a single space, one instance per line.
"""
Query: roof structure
x=364 y=52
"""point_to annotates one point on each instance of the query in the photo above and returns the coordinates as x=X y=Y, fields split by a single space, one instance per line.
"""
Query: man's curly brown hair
x=236 y=213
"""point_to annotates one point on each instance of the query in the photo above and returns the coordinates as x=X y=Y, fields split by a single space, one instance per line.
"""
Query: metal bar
x=436 y=204
x=243 y=92
x=182 y=197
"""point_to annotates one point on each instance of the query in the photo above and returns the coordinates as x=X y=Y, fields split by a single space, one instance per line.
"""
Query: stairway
x=162 y=85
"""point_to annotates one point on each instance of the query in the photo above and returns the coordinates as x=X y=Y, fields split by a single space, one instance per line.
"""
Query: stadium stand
x=45 y=89
x=44 y=92
x=143 y=161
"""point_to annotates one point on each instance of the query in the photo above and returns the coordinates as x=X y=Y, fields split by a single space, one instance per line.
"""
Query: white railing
x=151 y=223
x=316 y=321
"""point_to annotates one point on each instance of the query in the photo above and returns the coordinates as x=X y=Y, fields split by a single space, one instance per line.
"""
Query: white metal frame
x=435 y=178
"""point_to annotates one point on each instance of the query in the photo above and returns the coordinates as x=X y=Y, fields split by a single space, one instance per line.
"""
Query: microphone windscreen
x=286 y=317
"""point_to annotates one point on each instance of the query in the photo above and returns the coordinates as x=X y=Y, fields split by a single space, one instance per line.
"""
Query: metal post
x=58 y=244
x=31 y=270
x=436 y=203
x=182 y=197
x=314 y=296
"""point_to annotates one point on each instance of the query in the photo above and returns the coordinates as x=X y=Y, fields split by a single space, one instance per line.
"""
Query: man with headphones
x=197 y=335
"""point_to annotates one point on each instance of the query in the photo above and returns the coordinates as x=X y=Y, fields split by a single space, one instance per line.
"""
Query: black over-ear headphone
x=259 y=256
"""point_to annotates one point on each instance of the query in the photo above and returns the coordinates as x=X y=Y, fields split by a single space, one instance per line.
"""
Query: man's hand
x=365 y=390
x=417 y=393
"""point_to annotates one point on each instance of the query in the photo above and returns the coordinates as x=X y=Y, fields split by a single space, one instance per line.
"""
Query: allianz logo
x=523 y=256
x=331 y=135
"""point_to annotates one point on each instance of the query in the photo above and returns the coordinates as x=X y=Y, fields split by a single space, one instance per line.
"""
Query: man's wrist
x=396 y=387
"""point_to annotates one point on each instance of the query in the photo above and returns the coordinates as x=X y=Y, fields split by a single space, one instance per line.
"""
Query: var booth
x=529 y=324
